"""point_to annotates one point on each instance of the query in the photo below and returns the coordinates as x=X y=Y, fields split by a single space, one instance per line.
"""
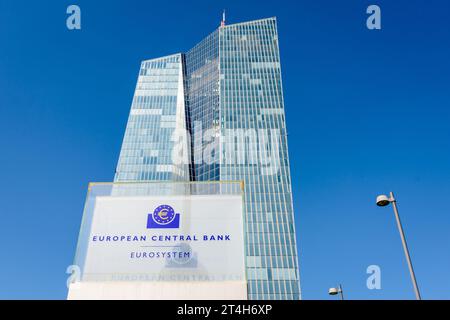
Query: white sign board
x=164 y=238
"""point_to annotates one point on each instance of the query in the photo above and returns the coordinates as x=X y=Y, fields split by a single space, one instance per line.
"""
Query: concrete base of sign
x=223 y=290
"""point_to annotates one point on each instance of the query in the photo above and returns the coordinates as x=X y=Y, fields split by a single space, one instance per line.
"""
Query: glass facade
x=203 y=101
x=157 y=113
x=227 y=93
x=252 y=102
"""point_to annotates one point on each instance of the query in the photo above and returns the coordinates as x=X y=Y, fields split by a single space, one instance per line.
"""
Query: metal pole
x=405 y=247
x=341 y=292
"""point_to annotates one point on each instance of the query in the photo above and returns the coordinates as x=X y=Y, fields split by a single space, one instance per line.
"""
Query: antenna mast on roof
x=222 y=24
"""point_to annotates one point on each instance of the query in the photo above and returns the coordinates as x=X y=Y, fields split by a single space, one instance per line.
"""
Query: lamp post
x=383 y=201
x=335 y=291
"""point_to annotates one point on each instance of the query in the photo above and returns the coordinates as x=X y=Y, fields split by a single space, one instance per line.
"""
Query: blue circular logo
x=163 y=214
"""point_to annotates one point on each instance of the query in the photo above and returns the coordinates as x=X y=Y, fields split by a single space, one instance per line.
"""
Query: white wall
x=223 y=290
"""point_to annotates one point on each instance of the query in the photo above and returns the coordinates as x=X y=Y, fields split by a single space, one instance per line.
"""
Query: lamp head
x=383 y=200
x=333 y=291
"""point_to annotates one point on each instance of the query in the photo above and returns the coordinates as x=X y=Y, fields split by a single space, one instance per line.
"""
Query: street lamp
x=383 y=201
x=335 y=291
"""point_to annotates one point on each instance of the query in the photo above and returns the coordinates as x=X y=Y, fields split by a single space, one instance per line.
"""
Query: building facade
x=216 y=113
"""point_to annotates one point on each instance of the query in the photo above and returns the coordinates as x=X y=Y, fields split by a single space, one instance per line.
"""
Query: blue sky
x=367 y=112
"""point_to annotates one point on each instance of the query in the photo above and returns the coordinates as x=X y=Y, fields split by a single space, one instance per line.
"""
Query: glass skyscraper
x=221 y=103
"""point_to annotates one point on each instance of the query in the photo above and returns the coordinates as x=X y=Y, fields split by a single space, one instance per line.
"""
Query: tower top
x=222 y=23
